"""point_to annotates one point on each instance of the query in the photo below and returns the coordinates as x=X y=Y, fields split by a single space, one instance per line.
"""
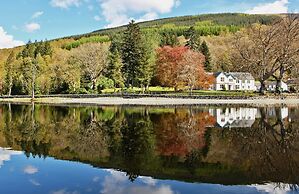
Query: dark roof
x=237 y=75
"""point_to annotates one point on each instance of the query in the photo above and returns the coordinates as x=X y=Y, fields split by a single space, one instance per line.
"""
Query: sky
x=23 y=20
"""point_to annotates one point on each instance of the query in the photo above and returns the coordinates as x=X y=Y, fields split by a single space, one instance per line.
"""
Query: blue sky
x=21 y=20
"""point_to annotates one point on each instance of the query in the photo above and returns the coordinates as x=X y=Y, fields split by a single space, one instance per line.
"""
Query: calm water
x=142 y=150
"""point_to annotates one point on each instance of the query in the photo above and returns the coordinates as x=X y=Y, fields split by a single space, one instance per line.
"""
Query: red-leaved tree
x=181 y=67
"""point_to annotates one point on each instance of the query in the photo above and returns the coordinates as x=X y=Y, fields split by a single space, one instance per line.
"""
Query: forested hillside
x=175 y=52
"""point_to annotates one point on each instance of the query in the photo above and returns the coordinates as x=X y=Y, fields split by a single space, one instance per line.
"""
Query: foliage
x=204 y=49
x=84 y=40
x=133 y=54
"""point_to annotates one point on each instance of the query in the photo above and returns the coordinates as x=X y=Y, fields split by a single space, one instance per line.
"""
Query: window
x=248 y=81
x=231 y=80
x=222 y=79
x=244 y=81
x=222 y=87
x=237 y=87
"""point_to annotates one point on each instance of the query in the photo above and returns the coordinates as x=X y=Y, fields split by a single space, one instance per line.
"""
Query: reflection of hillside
x=175 y=144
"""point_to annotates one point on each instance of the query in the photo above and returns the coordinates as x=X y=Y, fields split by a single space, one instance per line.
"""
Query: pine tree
x=132 y=53
x=204 y=49
x=115 y=64
x=193 y=39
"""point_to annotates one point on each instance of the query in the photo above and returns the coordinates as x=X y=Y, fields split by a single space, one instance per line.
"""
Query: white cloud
x=97 y=18
x=34 y=182
x=64 y=191
x=279 y=6
x=37 y=14
x=65 y=3
x=117 y=12
x=275 y=188
x=7 y=41
x=30 y=170
x=31 y=27
x=124 y=186
x=148 y=16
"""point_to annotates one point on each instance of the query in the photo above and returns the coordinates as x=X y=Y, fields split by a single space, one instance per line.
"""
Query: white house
x=234 y=117
x=239 y=81
x=271 y=86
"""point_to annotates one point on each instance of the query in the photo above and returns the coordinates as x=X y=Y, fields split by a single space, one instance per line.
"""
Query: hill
x=232 y=20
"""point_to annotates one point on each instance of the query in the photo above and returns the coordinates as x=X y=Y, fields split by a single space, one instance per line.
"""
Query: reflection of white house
x=234 y=81
x=272 y=112
x=234 y=117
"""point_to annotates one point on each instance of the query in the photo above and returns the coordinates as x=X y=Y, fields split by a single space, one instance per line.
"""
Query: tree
x=193 y=40
x=204 y=49
x=256 y=50
x=169 y=39
x=168 y=63
x=92 y=58
x=147 y=68
x=115 y=64
x=192 y=71
x=288 y=40
x=10 y=71
x=133 y=53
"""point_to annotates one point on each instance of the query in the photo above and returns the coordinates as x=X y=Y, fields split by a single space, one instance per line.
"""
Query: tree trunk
x=278 y=86
x=263 y=87
x=33 y=82
x=94 y=83
x=9 y=91
x=147 y=87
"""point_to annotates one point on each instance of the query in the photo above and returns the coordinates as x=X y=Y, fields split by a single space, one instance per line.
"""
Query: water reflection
x=250 y=146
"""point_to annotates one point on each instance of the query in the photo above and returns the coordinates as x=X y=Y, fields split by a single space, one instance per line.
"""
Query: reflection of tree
x=23 y=130
x=267 y=150
x=181 y=133
x=137 y=143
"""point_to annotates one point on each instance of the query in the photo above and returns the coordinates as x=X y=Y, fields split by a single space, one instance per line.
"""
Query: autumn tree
x=10 y=71
x=168 y=65
x=288 y=41
x=255 y=50
x=192 y=73
x=92 y=58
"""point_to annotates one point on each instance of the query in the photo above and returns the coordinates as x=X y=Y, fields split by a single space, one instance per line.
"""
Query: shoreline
x=152 y=101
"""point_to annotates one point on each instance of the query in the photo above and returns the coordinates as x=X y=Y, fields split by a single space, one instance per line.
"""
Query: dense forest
x=175 y=52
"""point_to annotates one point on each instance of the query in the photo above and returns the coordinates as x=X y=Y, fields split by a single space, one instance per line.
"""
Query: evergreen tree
x=169 y=39
x=9 y=71
x=193 y=39
x=204 y=49
x=115 y=64
x=147 y=69
x=132 y=53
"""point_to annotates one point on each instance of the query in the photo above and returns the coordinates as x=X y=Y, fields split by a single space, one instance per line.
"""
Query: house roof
x=237 y=75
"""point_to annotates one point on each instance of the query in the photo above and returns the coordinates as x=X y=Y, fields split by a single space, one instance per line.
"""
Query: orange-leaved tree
x=168 y=65
x=192 y=72
x=181 y=67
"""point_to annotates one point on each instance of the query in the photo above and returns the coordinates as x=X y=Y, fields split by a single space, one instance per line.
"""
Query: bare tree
x=268 y=51
x=256 y=50
x=289 y=51
x=93 y=58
